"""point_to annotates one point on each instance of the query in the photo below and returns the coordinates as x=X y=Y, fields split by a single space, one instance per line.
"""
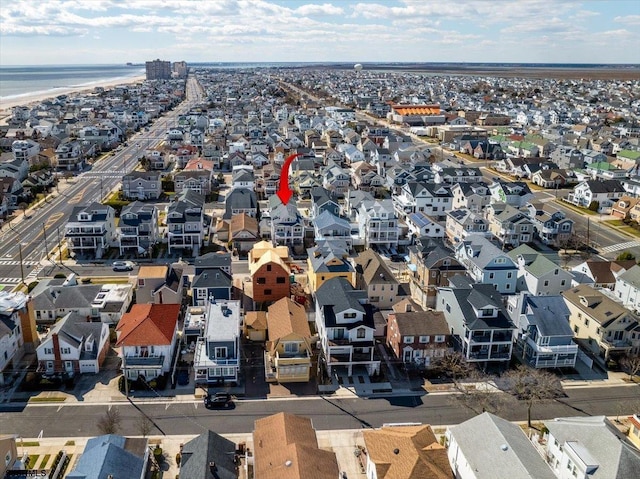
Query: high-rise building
x=180 y=69
x=158 y=70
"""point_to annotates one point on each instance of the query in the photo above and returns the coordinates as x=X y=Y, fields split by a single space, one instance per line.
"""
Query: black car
x=218 y=401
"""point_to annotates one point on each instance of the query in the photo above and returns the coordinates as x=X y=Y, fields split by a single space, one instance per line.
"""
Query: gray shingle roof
x=204 y=449
x=110 y=454
x=497 y=448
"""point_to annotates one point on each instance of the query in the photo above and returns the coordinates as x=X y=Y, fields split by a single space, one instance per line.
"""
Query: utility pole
x=44 y=235
x=21 y=265
x=124 y=373
x=59 y=246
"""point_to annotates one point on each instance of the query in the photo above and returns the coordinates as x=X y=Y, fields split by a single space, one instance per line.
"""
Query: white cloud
x=324 y=9
x=628 y=19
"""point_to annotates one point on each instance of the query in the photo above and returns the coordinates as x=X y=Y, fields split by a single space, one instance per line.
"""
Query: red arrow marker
x=284 y=192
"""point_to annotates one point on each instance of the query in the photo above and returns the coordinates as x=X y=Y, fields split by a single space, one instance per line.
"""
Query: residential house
x=160 y=284
x=419 y=338
x=255 y=326
x=434 y=200
x=552 y=178
x=544 y=338
x=422 y=455
x=186 y=226
x=345 y=325
x=12 y=347
x=327 y=225
x=213 y=283
x=142 y=185
x=206 y=455
x=73 y=346
x=243 y=233
x=91 y=229
x=458 y=174
x=604 y=192
x=297 y=453
x=217 y=353
x=601 y=325
x=514 y=193
x=552 y=227
x=622 y=208
x=213 y=261
x=487 y=264
x=138 y=230
x=472 y=196
x=239 y=201
x=327 y=260
x=603 y=274
x=504 y=450
x=377 y=223
x=147 y=336
x=242 y=177
x=509 y=225
x=197 y=180
x=336 y=180
x=286 y=224
x=537 y=274
x=321 y=201
x=482 y=329
x=112 y=456
x=270 y=274
x=55 y=298
x=461 y=223
x=627 y=288
x=374 y=276
x=432 y=264
x=586 y=447
x=289 y=348
x=634 y=430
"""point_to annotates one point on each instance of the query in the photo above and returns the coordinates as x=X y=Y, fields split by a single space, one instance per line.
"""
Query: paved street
x=174 y=417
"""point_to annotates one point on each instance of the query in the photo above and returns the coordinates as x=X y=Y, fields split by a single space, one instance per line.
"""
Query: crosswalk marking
x=620 y=246
x=16 y=263
x=97 y=177
x=9 y=280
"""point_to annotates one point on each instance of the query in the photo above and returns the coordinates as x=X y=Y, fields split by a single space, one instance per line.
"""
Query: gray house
x=142 y=185
x=208 y=456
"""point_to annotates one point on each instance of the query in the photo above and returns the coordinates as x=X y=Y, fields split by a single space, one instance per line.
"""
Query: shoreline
x=32 y=99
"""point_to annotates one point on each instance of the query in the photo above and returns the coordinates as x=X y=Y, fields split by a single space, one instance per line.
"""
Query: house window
x=65 y=350
x=490 y=275
x=267 y=292
x=291 y=348
x=349 y=315
x=261 y=280
x=576 y=329
x=439 y=338
x=562 y=282
x=280 y=280
x=48 y=350
x=509 y=275
x=408 y=339
x=268 y=267
x=586 y=322
x=221 y=352
x=546 y=283
x=361 y=333
x=141 y=282
x=424 y=339
x=448 y=308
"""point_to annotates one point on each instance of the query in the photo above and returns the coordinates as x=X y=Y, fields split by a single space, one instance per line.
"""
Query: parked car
x=218 y=401
x=122 y=266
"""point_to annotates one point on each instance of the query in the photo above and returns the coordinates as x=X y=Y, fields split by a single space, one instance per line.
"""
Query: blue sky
x=119 y=31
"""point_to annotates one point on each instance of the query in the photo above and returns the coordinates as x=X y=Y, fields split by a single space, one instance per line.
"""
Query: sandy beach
x=28 y=100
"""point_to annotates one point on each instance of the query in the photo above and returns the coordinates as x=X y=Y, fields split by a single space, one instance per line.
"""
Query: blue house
x=211 y=283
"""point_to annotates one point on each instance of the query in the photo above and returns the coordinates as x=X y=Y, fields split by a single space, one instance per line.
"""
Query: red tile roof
x=148 y=324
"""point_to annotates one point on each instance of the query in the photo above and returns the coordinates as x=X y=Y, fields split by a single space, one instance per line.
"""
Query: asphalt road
x=59 y=420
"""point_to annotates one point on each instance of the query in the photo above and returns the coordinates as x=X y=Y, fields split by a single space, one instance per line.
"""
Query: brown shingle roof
x=285 y=447
x=147 y=271
x=287 y=317
x=243 y=222
x=373 y=269
x=148 y=324
x=421 y=323
x=407 y=452
x=256 y=319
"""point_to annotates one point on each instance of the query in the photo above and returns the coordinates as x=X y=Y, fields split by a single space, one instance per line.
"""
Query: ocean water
x=17 y=81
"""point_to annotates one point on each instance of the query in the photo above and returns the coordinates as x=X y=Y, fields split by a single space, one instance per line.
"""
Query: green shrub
x=60 y=276
x=31 y=286
x=594 y=205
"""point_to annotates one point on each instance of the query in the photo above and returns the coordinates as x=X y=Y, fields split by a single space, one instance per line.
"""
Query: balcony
x=147 y=361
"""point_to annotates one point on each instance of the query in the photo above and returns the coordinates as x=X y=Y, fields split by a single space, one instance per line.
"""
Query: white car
x=122 y=266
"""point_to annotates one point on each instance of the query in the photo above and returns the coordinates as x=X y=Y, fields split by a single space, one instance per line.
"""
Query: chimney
x=212 y=467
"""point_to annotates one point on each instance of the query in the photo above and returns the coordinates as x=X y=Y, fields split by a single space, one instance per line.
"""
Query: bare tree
x=110 y=422
x=474 y=389
x=631 y=364
x=23 y=206
x=144 y=425
x=534 y=386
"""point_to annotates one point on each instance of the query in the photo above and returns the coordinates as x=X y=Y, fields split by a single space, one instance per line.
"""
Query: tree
x=594 y=206
x=220 y=179
x=631 y=364
x=110 y=422
x=534 y=386
x=475 y=390
x=23 y=206
x=625 y=255
x=145 y=425
x=67 y=176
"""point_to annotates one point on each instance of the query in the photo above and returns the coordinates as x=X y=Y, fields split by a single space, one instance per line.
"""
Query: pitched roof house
x=114 y=456
x=375 y=277
x=208 y=455
x=147 y=335
x=407 y=452
x=296 y=456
